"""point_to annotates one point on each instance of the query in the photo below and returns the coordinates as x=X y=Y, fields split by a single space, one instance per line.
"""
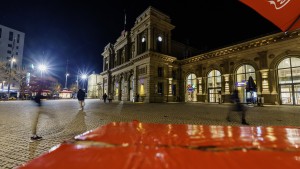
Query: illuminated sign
x=240 y=84
x=191 y=88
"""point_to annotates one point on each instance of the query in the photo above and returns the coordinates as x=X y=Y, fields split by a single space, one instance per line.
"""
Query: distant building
x=94 y=84
x=11 y=46
x=65 y=94
x=145 y=61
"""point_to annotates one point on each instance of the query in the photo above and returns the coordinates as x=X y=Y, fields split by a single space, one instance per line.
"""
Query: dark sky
x=57 y=30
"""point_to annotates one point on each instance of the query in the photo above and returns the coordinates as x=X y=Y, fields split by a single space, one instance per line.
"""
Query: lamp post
x=3 y=82
x=12 y=60
x=66 y=82
x=83 y=77
x=42 y=68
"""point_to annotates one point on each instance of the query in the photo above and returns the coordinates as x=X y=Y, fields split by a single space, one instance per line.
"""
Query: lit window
x=159 y=38
x=143 y=39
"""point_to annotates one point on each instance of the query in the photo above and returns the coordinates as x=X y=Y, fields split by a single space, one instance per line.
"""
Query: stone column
x=273 y=80
x=169 y=82
x=169 y=86
x=200 y=85
x=135 y=81
x=226 y=83
x=150 y=38
x=264 y=81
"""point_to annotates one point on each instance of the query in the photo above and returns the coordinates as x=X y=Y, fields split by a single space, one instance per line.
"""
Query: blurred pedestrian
x=237 y=107
x=110 y=97
x=80 y=97
x=137 y=97
x=38 y=100
x=104 y=97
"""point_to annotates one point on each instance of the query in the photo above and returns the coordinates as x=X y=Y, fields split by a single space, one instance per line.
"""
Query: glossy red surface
x=167 y=146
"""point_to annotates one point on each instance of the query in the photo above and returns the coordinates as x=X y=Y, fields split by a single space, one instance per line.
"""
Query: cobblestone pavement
x=61 y=120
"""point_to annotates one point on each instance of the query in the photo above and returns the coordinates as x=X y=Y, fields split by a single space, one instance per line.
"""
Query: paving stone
x=60 y=120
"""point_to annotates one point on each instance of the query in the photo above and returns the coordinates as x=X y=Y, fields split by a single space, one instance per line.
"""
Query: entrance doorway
x=289 y=81
x=214 y=82
x=290 y=94
x=191 y=88
x=213 y=94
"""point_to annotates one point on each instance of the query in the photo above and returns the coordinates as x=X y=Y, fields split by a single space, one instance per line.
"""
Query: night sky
x=57 y=30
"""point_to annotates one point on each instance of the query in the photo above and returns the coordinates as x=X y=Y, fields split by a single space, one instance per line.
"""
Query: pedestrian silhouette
x=80 y=97
x=104 y=97
x=237 y=107
x=38 y=102
x=110 y=97
x=137 y=97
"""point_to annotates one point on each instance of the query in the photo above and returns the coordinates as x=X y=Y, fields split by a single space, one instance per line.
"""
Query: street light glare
x=83 y=76
x=42 y=67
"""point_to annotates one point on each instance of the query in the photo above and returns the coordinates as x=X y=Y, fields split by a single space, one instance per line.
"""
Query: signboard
x=191 y=88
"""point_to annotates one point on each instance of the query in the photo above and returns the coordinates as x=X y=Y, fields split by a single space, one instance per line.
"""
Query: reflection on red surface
x=168 y=146
x=194 y=135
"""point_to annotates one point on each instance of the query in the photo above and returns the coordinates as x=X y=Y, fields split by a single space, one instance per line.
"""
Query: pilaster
x=226 y=82
x=264 y=81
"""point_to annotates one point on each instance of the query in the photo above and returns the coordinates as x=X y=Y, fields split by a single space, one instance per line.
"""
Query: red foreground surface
x=135 y=145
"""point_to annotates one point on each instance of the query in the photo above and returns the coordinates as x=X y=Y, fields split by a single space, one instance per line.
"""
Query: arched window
x=214 y=85
x=244 y=72
x=191 y=88
x=289 y=80
x=242 y=75
x=214 y=79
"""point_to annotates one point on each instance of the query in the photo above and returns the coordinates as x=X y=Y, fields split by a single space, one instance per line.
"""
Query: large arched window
x=242 y=75
x=244 y=72
x=214 y=79
x=191 y=87
x=214 y=86
x=289 y=80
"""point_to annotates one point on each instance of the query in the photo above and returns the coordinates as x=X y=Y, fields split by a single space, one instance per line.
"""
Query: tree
x=56 y=88
x=20 y=76
x=74 y=87
x=4 y=71
x=15 y=74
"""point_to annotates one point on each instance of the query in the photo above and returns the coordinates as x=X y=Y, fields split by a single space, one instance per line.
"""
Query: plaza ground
x=61 y=120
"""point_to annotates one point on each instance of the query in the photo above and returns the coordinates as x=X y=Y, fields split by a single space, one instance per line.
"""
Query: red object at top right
x=285 y=14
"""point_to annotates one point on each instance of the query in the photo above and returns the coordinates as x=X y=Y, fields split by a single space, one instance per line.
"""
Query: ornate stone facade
x=146 y=61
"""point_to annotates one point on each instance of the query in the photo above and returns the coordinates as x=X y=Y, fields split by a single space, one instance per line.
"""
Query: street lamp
x=3 y=82
x=83 y=77
x=43 y=68
x=66 y=82
x=12 y=60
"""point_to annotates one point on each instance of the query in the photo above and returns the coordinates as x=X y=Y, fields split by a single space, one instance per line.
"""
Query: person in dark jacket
x=104 y=97
x=80 y=97
x=238 y=107
x=37 y=100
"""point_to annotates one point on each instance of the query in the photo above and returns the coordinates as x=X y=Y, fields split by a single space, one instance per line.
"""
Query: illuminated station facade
x=146 y=61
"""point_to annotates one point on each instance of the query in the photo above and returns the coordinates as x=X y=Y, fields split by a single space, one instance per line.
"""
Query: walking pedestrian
x=80 y=97
x=238 y=107
x=104 y=97
x=137 y=97
x=110 y=97
x=38 y=101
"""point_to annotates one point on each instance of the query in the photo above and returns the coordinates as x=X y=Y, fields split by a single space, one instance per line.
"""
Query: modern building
x=11 y=54
x=146 y=61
